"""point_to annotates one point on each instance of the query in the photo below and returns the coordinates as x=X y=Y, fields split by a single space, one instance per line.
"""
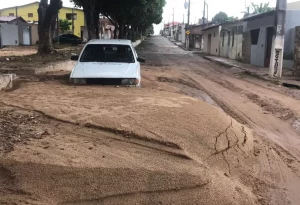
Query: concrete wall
x=292 y=20
x=234 y=50
x=246 y=47
x=9 y=35
x=215 y=40
x=258 y=51
x=293 y=6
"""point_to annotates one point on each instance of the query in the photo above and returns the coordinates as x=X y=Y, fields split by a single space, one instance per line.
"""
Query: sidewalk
x=288 y=79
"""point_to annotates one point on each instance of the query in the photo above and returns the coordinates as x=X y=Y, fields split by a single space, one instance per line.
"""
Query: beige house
x=212 y=40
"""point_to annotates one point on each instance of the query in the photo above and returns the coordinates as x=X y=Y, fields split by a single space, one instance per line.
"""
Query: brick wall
x=246 y=47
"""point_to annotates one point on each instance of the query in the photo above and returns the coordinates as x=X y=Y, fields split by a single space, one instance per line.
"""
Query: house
x=24 y=30
x=29 y=13
x=232 y=40
x=212 y=39
x=195 y=37
x=258 y=34
x=106 y=29
x=181 y=33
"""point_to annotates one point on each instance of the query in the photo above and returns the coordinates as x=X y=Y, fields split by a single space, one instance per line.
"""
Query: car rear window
x=107 y=53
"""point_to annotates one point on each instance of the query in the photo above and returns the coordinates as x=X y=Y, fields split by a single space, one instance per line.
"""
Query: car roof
x=110 y=41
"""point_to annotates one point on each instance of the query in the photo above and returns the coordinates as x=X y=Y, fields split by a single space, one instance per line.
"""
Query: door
x=26 y=36
x=209 y=43
x=228 y=44
x=269 y=40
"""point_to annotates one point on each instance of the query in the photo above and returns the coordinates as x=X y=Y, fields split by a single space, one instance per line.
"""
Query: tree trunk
x=91 y=13
x=47 y=14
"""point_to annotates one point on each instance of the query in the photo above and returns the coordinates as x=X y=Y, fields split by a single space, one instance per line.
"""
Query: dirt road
x=195 y=133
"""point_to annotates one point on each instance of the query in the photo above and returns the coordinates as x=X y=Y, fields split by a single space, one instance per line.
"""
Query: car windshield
x=107 y=53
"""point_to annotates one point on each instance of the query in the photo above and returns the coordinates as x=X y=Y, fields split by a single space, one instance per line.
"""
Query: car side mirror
x=140 y=59
x=74 y=57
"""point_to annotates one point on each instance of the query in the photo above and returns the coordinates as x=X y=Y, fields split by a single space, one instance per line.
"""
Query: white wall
x=9 y=35
x=258 y=52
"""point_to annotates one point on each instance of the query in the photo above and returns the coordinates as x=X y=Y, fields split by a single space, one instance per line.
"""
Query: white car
x=107 y=62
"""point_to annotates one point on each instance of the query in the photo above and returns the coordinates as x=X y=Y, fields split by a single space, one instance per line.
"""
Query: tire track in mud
x=165 y=147
x=134 y=196
x=291 y=162
x=269 y=105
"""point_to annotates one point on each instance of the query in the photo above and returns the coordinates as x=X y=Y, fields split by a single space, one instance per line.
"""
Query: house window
x=254 y=36
x=11 y=14
x=69 y=16
x=233 y=38
x=223 y=38
x=228 y=38
x=30 y=15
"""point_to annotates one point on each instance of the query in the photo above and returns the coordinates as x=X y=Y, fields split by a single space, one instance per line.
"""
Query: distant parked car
x=68 y=39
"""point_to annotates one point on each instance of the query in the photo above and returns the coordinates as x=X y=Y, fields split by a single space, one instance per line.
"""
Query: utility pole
x=189 y=12
x=203 y=18
x=188 y=25
x=207 y=15
x=276 y=60
x=73 y=28
x=173 y=25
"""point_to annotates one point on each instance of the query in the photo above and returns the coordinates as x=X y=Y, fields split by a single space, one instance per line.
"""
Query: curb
x=227 y=65
x=253 y=74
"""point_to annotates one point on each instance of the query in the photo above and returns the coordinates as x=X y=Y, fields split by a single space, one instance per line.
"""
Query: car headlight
x=130 y=82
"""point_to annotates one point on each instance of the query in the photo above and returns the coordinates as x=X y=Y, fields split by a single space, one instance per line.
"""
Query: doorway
x=228 y=44
x=26 y=36
x=209 y=44
x=269 y=40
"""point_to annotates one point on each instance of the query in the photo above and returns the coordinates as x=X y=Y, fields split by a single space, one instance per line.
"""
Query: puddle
x=290 y=85
x=199 y=94
x=296 y=124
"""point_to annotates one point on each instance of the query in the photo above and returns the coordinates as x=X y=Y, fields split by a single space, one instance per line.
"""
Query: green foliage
x=139 y=14
x=222 y=17
x=64 y=25
x=261 y=8
x=150 y=30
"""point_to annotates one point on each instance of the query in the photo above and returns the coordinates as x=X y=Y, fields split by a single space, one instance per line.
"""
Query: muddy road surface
x=194 y=133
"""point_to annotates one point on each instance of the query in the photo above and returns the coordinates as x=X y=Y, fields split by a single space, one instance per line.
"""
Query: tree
x=150 y=30
x=220 y=17
x=261 y=8
x=91 y=9
x=47 y=18
x=137 y=15
x=64 y=25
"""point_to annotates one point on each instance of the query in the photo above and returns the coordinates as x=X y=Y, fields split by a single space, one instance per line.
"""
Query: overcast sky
x=231 y=7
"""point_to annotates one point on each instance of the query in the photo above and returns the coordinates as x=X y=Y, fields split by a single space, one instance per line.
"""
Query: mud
x=176 y=140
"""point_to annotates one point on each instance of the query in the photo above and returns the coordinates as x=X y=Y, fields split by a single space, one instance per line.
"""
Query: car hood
x=104 y=70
